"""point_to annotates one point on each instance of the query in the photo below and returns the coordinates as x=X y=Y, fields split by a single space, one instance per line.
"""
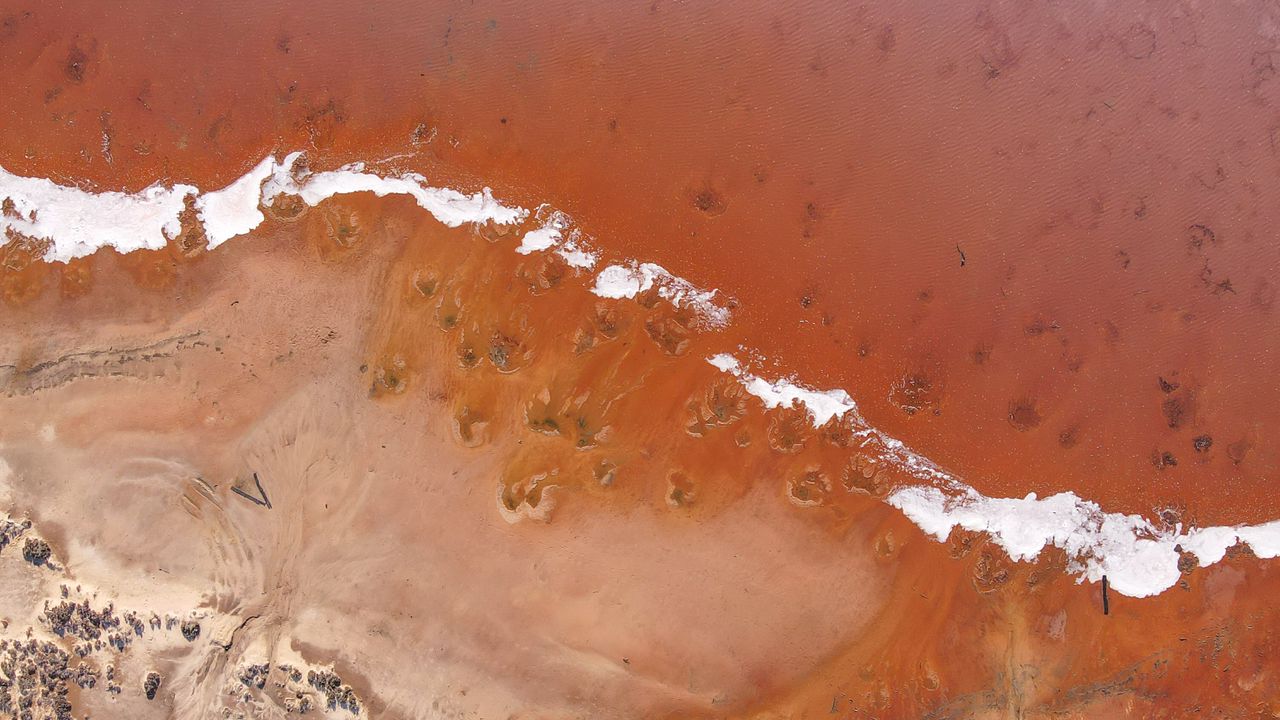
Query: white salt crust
x=1138 y=558
x=630 y=279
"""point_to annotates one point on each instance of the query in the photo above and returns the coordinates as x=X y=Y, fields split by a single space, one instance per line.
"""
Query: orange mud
x=1031 y=241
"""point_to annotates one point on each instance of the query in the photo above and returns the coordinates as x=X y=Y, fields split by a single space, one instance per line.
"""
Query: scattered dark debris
x=255 y=676
x=1198 y=235
x=1167 y=387
x=33 y=680
x=1202 y=443
x=36 y=551
x=11 y=530
x=1163 y=459
x=336 y=694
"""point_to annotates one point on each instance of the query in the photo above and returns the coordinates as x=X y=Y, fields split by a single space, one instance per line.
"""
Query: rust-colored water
x=1004 y=227
x=1033 y=241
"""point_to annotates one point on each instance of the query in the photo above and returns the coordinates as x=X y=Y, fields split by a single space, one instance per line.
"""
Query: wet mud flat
x=548 y=500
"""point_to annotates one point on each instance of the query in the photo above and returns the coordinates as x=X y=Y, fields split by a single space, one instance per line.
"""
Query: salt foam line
x=630 y=279
x=1138 y=558
x=77 y=222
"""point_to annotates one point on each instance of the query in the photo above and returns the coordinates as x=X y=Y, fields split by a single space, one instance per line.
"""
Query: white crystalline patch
x=628 y=281
x=1138 y=559
x=546 y=237
x=822 y=405
x=576 y=257
x=617 y=282
x=449 y=206
x=78 y=223
x=233 y=210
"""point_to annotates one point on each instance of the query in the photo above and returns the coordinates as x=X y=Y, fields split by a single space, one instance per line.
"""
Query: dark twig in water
x=264 y=500
x=1106 y=605
x=961 y=252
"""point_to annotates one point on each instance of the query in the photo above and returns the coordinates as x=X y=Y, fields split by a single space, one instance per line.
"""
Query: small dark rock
x=190 y=630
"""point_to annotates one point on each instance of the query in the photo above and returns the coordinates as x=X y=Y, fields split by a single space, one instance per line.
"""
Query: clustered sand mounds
x=585 y=394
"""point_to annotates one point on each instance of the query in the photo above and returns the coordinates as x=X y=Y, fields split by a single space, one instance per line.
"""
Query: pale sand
x=384 y=553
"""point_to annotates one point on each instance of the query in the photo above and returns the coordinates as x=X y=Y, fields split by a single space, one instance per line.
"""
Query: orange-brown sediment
x=1030 y=241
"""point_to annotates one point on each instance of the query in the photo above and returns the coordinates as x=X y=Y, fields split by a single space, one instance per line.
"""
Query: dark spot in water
x=886 y=40
x=1163 y=459
x=76 y=65
x=1176 y=409
x=613 y=124
x=1202 y=443
x=709 y=202
x=1023 y=415
x=981 y=354
x=1040 y=326
x=1069 y=437
x=1167 y=386
x=1238 y=450
x=502 y=120
x=1198 y=235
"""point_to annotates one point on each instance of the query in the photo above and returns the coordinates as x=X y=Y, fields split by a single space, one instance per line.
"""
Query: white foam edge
x=627 y=280
x=77 y=222
x=1138 y=558
x=557 y=232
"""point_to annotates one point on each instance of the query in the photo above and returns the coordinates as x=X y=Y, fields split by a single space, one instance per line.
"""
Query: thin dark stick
x=1106 y=605
x=262 y=492
x=264 y=501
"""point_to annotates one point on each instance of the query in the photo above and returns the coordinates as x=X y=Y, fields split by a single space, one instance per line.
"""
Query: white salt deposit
x=233 y=210
x=1138 y=558
x=631 y=279
x=77 y=222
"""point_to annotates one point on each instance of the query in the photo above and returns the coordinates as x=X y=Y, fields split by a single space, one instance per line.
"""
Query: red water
x=1033 y=241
